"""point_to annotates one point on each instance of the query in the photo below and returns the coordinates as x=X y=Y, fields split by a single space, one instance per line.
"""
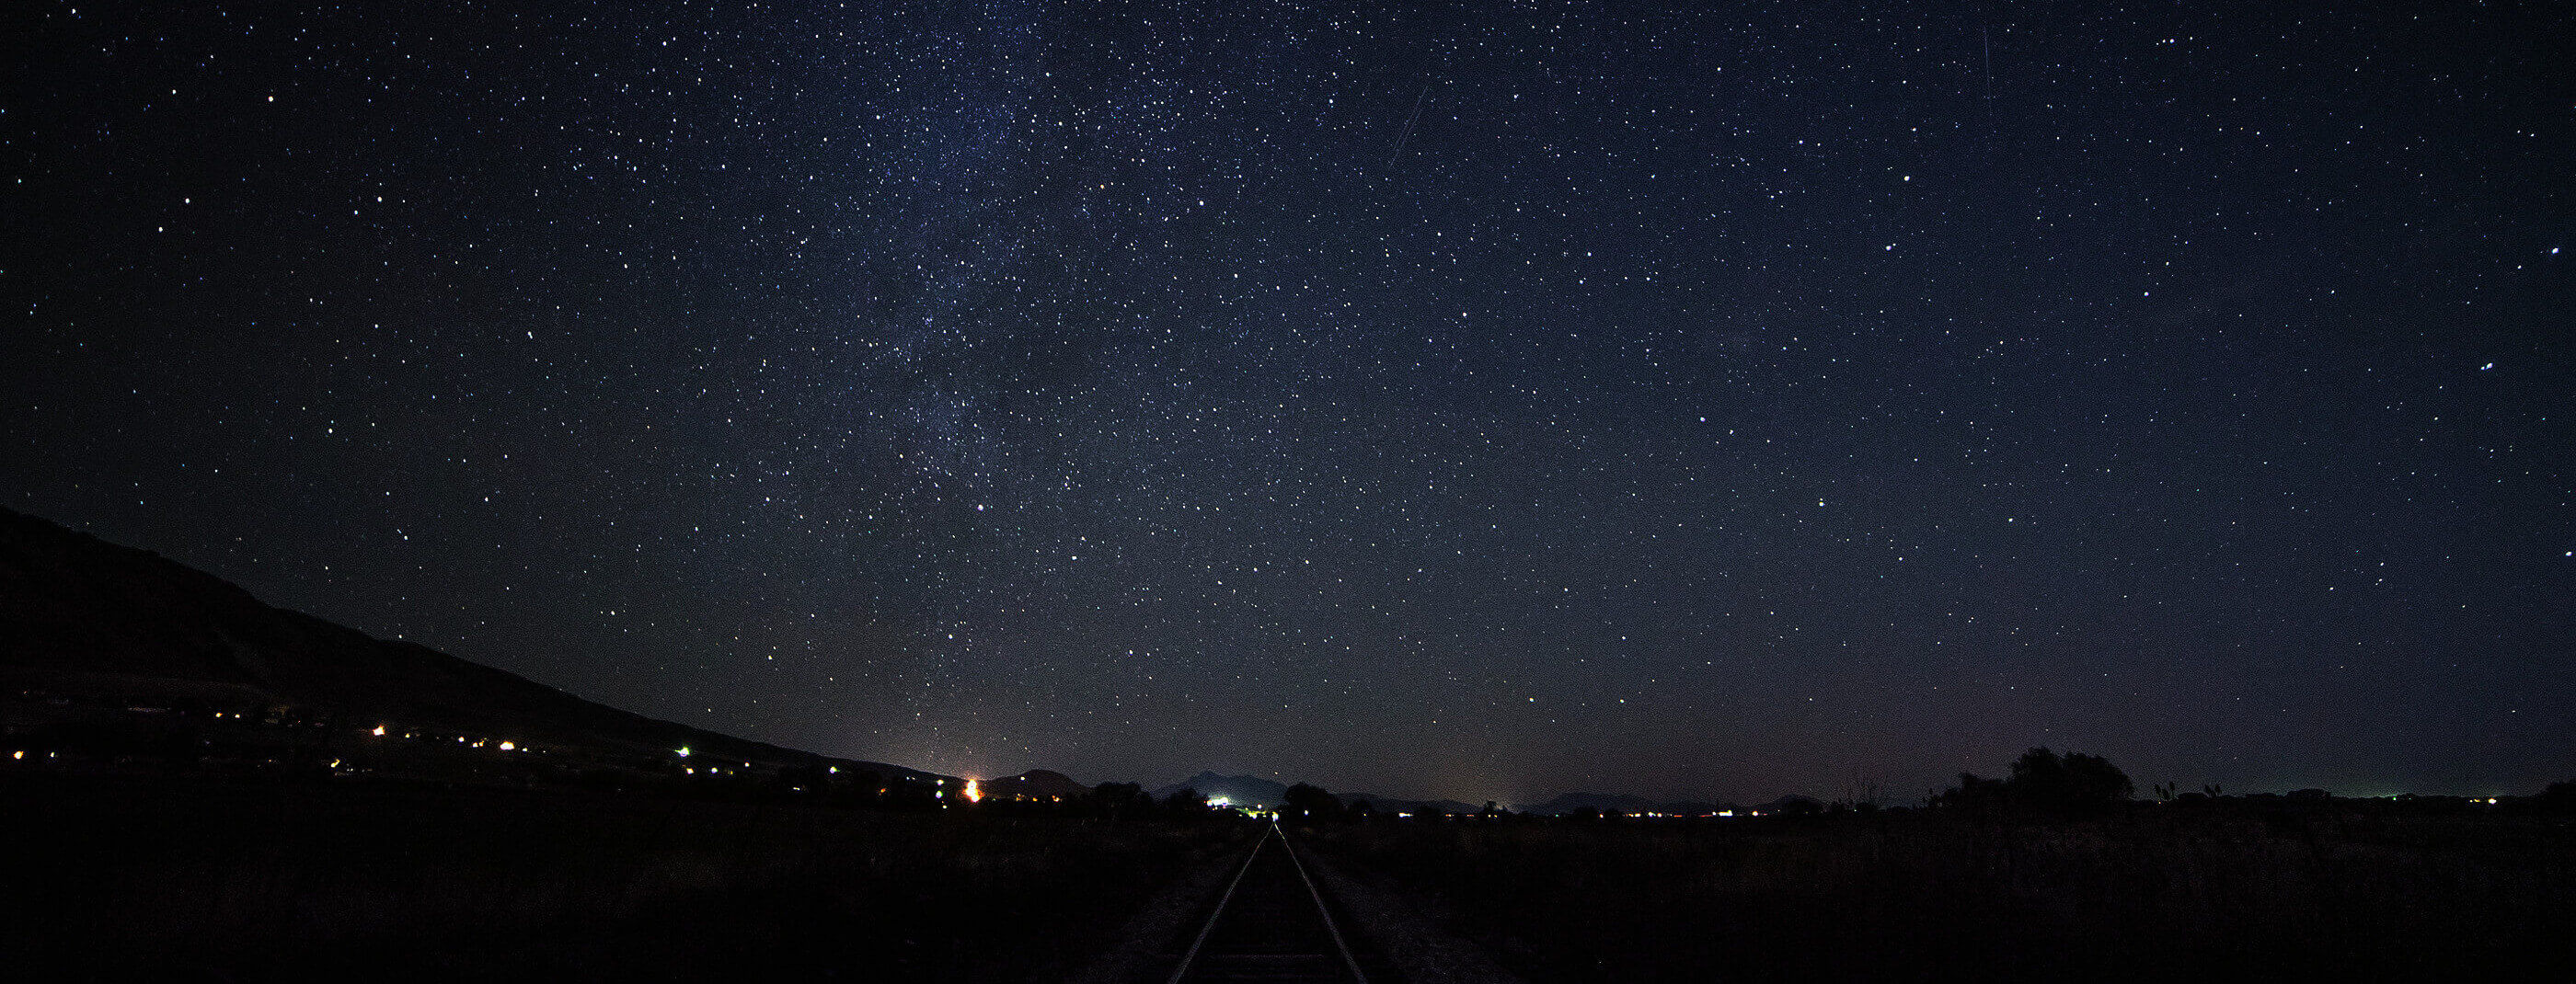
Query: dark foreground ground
x=2148 y=895
x=123 y=878
x=116 y=878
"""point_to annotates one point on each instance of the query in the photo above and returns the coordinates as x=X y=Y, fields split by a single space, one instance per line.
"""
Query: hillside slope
x=82 y=616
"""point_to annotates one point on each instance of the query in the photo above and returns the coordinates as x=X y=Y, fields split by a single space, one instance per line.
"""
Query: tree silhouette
x=2558 y=797
x=1121 y=799
x=1185 y=802
x=2072 y=783
x=2042 y=780
x=1306 y=802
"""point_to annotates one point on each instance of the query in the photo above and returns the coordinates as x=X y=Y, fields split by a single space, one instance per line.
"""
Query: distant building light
x=379 y=732
x=1220 y=801
x=684 y=751
x=509 y=746
x=973 y=794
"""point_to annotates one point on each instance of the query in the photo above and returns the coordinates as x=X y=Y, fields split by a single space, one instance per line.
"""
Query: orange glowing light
x=974 y=794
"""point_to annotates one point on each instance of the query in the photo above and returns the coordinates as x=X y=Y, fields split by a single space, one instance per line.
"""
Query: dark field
x=2149 y=895
x=137 y=877
x=113 y=878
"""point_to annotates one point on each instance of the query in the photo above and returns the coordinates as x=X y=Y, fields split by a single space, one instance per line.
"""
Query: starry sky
x=1481 y=400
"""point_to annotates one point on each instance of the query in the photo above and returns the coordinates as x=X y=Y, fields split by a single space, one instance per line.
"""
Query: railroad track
x=1271 y=924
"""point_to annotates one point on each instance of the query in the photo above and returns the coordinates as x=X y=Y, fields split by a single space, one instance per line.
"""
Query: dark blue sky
x=1479 y=400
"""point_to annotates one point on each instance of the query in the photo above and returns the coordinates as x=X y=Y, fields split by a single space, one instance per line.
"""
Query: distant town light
x=379 y=732
x=509 y=746
x=973 y=793
x=684 y=751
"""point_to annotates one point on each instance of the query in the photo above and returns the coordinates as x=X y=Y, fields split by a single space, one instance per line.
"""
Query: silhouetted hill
x=1615 y=803
x=1605 y=802
x=1398 y=804
x=1038 y=783
x=1237 y=790
x=79 y=615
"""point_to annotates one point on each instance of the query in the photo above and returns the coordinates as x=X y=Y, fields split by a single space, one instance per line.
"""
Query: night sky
x=1482 y=400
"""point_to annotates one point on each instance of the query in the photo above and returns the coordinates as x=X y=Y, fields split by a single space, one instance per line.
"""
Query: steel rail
x=1326 y=911
x=1192 y=957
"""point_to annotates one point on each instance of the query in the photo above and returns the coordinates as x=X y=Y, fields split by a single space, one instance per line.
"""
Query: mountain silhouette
x=1236 y=790
x=1399 y=804
x=81 y=616
x=1036 y=784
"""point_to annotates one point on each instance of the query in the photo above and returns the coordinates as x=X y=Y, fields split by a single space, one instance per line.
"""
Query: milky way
x=1473 y=400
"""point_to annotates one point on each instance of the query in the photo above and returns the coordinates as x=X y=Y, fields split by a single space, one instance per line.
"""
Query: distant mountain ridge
x=1036 y=784
x=1236 y=790
x=80 y=614
x=1619 y=803
x=1256 y=791
x=1398 y=804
